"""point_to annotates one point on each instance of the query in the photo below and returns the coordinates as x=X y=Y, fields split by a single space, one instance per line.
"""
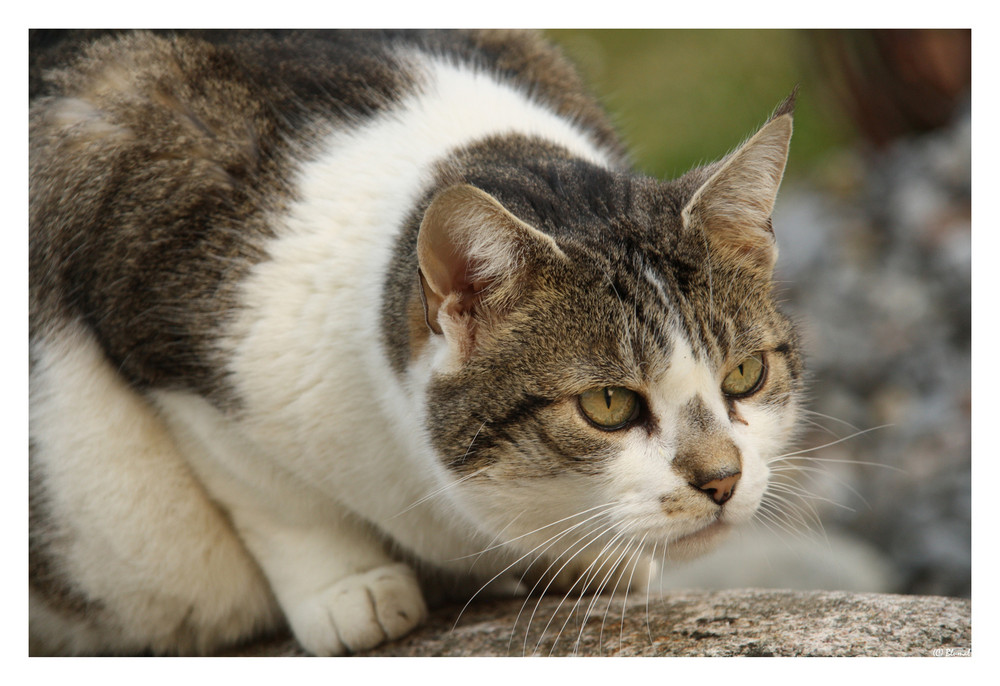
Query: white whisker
x=635 y=563
x=809 y=472
x=586 y=544
x=550 y=542
x=793 y=511
x=832 y=419
x=439 y=491
x=583 y=543
x=833 y=460
x=495 y=537
x=649 y=631
x=797 y=453
x=544 y=526
x=585 y=578
x=604 y=582
x=795 y=489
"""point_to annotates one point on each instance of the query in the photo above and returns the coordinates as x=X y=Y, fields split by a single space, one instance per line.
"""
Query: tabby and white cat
x=319 y=317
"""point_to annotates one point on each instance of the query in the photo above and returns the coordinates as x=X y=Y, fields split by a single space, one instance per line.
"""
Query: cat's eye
x=745 y=378
x=610 y=408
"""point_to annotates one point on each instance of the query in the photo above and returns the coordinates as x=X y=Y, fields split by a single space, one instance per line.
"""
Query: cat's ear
x=473 y=256
x=733 y=207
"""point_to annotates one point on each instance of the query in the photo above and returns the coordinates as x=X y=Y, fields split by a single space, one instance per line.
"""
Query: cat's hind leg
x=331 y=571
x=127 y=552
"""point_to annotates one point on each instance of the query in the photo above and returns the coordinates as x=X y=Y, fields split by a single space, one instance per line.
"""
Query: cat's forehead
x=643 y=321
x=681 y=376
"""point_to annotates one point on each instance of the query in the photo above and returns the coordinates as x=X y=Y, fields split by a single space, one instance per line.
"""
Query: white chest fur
x=325 y=419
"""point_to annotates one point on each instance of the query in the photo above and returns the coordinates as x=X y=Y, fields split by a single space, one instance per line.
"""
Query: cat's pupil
x=607 y=397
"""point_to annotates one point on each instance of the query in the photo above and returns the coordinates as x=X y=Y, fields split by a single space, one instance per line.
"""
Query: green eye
x=746 y=378
x=609 y=408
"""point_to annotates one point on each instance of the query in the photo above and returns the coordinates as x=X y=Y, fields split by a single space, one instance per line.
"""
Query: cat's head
x=608 y=358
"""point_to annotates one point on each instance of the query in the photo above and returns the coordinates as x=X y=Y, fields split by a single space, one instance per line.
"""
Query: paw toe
x=360 y=612
x=399 y=603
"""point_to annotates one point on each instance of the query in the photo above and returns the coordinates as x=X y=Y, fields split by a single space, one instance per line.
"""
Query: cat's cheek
x=745 y=503
x=764 y=435
x=771 y=427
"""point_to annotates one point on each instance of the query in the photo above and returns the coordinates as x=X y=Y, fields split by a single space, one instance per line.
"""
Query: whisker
x=819 y=426
x=478 y=431
x=832 y=419
x=809 y=458
x=619 y=565
x=783 y=520
x=649 y=631
x=796 y=489
x=604 y=582
x=586 y=544
x=585 y=578
x=614 y=544
x=766 y=511
x=792 y=511
x=801 y=518
x=610 y=596
x=550 y=541
x=635 y=563
x=600 y=560
x=439 y=491
x=808 y=472
x=495 y=537
x=797 y=453
x=583 y=543
x=544 y=526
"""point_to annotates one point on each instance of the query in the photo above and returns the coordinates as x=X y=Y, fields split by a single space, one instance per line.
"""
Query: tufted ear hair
x=474 y=258
x=733 y=207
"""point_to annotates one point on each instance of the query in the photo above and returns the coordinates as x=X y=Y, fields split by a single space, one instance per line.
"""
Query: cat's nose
x=721 y=488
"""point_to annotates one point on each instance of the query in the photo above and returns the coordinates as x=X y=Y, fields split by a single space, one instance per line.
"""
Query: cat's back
x=337 y=72
x=159 y=162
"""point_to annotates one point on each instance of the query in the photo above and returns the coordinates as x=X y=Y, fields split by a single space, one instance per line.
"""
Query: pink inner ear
x=470 y=250
x=446 y=265
x=448 y=272
x=450 y=295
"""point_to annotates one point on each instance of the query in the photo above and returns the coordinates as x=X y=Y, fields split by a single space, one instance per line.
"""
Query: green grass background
x=686 y=97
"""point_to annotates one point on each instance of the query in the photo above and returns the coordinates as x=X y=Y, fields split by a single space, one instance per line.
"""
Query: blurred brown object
x=894 y=82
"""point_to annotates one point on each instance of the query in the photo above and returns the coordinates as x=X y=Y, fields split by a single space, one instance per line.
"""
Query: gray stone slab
x=744 y=622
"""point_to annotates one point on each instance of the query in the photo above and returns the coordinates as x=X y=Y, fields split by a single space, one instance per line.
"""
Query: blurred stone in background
x=879 y=273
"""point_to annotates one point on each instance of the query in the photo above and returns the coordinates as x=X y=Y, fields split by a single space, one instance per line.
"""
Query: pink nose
x=720 y=490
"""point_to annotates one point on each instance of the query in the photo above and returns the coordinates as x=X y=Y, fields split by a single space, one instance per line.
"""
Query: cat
x=323 y=321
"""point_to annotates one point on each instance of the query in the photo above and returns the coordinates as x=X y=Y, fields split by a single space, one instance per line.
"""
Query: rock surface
x=752 y=623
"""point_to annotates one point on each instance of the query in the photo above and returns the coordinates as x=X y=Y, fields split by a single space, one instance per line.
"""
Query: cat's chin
x=699 y=542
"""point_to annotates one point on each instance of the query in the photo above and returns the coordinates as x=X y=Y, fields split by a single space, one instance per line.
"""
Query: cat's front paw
x=360 y=612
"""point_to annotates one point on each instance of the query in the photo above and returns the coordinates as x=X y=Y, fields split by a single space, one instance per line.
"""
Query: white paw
x=359 y=612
